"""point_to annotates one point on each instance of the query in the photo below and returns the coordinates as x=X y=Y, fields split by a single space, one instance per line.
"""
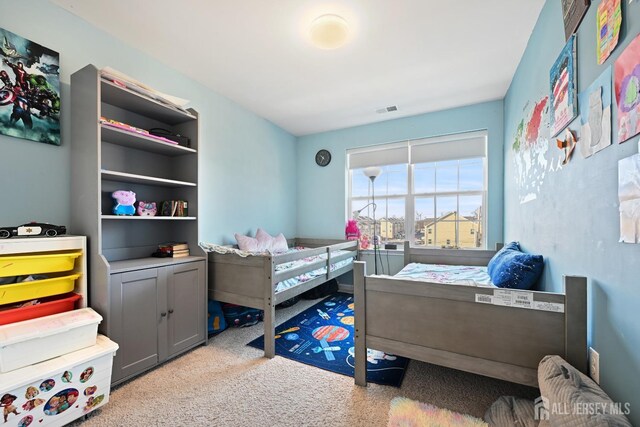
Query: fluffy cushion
x=512 y=268
x=263 y=242
x=563 y=386
x=270 y=243
x=248 y=244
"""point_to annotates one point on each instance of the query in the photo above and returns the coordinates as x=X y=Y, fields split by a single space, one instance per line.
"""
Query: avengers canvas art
x=29 y=89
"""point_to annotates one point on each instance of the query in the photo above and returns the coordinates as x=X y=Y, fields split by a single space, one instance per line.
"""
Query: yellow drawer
x=37 y=289
x=22 y=265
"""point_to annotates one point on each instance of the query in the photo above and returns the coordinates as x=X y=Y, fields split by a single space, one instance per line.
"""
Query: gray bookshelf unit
x=154 y=308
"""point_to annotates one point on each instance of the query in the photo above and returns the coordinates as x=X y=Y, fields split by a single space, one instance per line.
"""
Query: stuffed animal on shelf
x=123 y=202
x=147 y=208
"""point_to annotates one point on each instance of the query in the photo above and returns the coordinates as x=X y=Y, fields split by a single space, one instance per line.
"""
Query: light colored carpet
x=230 y=384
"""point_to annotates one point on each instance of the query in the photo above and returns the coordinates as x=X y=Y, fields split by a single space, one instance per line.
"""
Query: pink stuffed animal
x=351 y=231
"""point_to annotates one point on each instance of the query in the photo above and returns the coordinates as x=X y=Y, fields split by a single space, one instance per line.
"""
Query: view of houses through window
x=438 y=204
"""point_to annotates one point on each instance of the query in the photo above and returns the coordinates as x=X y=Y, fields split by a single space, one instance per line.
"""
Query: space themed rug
x=323 y=336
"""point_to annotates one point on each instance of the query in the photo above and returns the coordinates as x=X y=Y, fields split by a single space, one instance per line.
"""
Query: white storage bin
x=36 y=340
x=55 y=392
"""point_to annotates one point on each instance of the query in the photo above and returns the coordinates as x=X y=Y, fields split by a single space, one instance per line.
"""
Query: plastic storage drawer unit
x=25 y=291
x=55 y=392
x=47 y=307
x=22 y=265
x=36 y=340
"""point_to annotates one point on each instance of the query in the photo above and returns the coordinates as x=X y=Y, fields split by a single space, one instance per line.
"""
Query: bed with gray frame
x=251 y=281
x=448 y=325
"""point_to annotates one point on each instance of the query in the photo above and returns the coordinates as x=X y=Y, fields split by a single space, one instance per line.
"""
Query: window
x=433 y=187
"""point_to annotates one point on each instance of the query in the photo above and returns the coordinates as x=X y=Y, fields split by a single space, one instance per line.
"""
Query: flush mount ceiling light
x=329 y=32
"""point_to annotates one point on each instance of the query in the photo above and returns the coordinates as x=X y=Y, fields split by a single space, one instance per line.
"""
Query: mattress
x=295 y=281
x=447 y=274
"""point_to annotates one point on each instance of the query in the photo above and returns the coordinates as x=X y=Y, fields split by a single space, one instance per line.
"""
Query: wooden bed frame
x=251 y=281
x=444 y=325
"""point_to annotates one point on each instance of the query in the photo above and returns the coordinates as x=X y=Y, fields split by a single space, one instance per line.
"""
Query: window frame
x=411 y=196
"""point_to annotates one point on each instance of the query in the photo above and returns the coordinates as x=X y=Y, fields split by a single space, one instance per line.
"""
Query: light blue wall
x=322 y=194
x=574 y=222
x=247 y=172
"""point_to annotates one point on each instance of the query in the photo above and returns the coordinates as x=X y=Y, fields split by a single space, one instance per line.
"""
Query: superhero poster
x=29 y=89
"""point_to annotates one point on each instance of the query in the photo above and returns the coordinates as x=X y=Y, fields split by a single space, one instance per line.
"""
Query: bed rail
x=479 y=257
x=250 y=281
x=469 y=328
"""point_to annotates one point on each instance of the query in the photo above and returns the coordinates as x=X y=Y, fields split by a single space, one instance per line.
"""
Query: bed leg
x=359 y=271
x=575 y=289
x=269 y=331
x=269 y=309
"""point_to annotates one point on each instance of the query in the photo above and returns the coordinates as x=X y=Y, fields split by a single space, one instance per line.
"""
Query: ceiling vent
x=388 y=109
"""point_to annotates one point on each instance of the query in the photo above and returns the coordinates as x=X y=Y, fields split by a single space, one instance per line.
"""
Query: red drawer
x=51 y=305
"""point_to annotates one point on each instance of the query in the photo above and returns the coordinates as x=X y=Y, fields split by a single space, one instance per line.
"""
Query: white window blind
x=378 y=157
x=459 y=148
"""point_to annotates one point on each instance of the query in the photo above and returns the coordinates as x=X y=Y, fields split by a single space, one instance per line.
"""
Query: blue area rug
x=323 y=336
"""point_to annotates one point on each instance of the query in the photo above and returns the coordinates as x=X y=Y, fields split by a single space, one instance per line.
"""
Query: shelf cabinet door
x=138 y=305
x=186 y=296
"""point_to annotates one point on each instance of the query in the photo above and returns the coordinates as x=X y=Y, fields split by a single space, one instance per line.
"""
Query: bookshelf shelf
x=148 y=218
x=132 y=178
x=141 y=142
x=128 y=99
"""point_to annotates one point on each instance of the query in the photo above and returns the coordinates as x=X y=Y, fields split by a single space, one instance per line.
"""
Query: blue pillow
x=512 y=268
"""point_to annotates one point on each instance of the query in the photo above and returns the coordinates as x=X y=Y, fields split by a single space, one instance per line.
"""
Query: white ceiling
x=421 y=55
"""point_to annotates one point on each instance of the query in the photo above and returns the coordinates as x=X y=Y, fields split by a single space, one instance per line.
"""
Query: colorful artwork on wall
x=629 y=197
x=563 y=88
x=627 y=87
x=608 y=19
x=567 y=145
x=595 y=115
x=530 y=147
x=572 y=13
x=29 y=89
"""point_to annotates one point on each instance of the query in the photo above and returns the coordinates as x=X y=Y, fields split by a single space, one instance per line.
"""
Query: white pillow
x=248 y=244
x=269 y=243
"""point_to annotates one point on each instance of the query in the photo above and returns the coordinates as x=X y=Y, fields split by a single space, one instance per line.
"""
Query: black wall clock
x=323 y=157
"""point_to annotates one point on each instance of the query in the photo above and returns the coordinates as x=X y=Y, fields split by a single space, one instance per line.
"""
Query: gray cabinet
x=156 y=313
x=154 y=308
x=186 y=318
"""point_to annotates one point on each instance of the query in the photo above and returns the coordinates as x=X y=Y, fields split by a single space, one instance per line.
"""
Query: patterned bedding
x=295 y=281
x=447 y=274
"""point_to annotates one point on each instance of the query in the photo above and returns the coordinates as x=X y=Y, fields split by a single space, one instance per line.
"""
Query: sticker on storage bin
x=47 y=385
x=32 y=404
x=93 y=402
x=67 y=376
x=6 y=401
x=61 y=401
x=518 y=299
x=86 y=374
x=26 y=421
x=31 y=392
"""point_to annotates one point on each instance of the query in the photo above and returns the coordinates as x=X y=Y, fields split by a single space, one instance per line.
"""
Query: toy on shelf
x=147 y=208
x=123 y=202
x=33 y=229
